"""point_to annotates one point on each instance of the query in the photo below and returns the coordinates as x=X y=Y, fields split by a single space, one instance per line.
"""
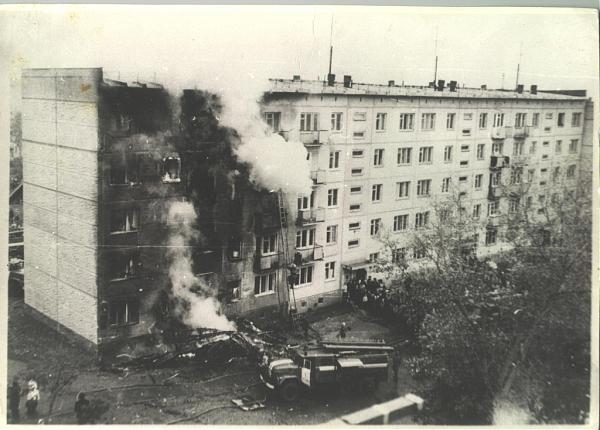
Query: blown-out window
x=123 y=220
x=171 y=169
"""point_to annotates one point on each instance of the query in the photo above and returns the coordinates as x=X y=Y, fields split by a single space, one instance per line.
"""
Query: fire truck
x=353 y=367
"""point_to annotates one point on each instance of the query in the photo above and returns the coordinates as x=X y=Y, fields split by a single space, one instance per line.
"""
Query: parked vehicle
x=352 y=366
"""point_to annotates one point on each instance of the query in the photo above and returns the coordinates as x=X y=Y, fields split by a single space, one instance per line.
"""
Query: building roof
x=360 y=89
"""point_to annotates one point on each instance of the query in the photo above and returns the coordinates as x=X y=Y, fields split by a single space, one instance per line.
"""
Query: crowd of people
x=373 y=296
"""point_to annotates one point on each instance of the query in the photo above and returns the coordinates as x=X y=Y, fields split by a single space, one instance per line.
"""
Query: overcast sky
x=195 y=46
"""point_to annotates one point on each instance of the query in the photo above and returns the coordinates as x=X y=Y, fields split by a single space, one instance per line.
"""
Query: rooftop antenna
x=330 y=45
x=519 y=64
x=436 y=56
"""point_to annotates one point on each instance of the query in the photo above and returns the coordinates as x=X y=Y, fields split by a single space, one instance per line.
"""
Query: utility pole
x=330 y=46
x=436 y=57
x=519 y=64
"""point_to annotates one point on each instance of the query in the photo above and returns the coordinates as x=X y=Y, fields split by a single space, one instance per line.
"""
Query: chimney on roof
x=484 y=87
x=533 y=89
x=347 y=81
x=440 y=85
x=391 y=83
x=296 y=77
x=520 y=89
x=331 y=79
x=452 y=85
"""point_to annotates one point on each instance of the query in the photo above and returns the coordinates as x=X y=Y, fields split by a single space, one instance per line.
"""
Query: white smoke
x=274 y=163
x=198 y=307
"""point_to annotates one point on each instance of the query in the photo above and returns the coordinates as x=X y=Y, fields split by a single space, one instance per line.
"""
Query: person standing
x=345 y=293
x=14 y=399
x=32 y=398
x=81 y=408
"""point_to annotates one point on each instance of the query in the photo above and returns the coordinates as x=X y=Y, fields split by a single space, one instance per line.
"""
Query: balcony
x=520 y=160
x=267 y=262
x=500 y=132
x=499 y=162
x=307 y=255
x=314 y=138
x=495 y=192
x=318 y=176
x=493 y=221
x=521 y=132
x=310 y=216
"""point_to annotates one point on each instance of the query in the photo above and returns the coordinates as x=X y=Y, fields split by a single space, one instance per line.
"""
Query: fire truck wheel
x=290 y=391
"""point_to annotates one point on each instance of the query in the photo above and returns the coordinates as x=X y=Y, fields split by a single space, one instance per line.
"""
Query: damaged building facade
x=104 y=159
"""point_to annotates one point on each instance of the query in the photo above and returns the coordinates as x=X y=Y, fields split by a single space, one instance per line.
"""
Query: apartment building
x=104 y=159
x=382 y=154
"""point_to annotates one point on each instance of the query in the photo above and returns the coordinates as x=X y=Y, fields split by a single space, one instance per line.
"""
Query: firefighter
x=14 y=399
x=343 y=330
x=82 y=406
x=32 y=398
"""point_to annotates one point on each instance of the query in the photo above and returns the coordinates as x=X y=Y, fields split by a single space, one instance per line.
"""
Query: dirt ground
x=190 y=393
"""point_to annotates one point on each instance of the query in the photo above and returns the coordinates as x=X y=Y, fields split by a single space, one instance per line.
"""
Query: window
x=549 y=116
x=497 y=148
x=561 y=119
x=268 y=245
x=516 y=175
x=309 y=121
x=359 y=134
x=305 y=276
x=513 y=205
x=425 y=154
x=528 y=202
x=427 y=121
x=359 y=116
x=380 y=120
x=467 y=116
x=448 y=154
x=480 y=151
x=353 y=243
x=495 y=178
x=421 y=219
x=423 y=187
x=493 y=208
x=398 y=255
x=332 y=197
x=356 y=190
x=330 y=270
x=123 y=312
x=483 y=120
x=462 y=179
x=464 y=163
x=357 y=171
x=403 y=189
x=446 y=185
x=407 y=121
x=305 y=202
x=354 y=226
x=123 y=266
x=573 y=146
x=491 y=236
x=419 y=253
x=334 y=159
x=450 y=121
x=378 y=157
x=376 y=192
x=331 y=234
x=233 y=293
x=404 y=155
x=558 y=147
x=576 y=119
x=171 y=169
x=535 y=120
x=476 y=211
x=273 y=119
x=571 y=171
x=498 y=119
x=556 y=174
x=518 y=148
x=375 y=223
x=532 y=146
x=357 y=153
x=124 y=220
x=124 y=171
x=264 y=284
x=530 y=175
x=520 y=119
x=305 y=238
x=465 y=148
x=400 y=222
x=336 y=121
x=354 y=207
x=478 y=181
